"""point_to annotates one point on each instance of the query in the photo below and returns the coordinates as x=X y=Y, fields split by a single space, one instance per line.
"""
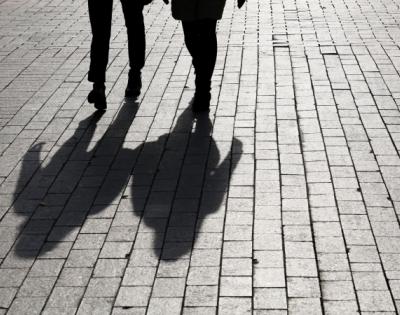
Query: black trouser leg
x=133 y=13
x=100 y=13
x=191 y=38
x=201 y=41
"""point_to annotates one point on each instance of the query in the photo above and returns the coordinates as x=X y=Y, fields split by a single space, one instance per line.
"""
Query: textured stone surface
x=284 y=199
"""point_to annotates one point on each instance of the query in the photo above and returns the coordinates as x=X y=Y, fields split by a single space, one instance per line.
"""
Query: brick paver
x=285 y=199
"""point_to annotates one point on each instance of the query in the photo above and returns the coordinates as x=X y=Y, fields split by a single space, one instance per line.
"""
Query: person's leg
x=100 y=20
x=190 y=31
x=133 y=13
x=204 y=46
x=100 y=14
x=207 y=39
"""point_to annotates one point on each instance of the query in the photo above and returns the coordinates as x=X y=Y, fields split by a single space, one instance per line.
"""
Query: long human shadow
x=172 y=183
x=191 y=184
x=69 y=198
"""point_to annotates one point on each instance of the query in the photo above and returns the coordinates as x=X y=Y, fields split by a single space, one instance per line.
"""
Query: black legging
x=100 y=14
x=201 y=41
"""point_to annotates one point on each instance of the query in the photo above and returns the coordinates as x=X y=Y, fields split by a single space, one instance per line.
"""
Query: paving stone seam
x=316 y=109
x=363 y=198
x=304 y=163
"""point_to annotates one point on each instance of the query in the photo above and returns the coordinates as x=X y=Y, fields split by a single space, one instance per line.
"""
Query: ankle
x=203 y=86
x=204 y=93
x=98 y=85
x=134 y=73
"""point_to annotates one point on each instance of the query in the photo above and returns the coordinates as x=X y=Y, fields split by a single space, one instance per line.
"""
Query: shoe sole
x=132 y=93
x=100 y=106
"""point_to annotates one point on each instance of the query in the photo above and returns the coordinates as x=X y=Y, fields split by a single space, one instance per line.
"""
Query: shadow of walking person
x=41 y=217
x=190 y=185
x=171 y=184
x=76 y=170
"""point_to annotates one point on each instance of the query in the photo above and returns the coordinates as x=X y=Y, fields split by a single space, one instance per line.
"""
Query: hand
x=240 y=3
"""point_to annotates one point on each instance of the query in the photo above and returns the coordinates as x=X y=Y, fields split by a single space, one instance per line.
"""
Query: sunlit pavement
x=284 y=199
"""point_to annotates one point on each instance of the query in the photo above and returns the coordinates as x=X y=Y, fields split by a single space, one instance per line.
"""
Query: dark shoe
x=201 y=102
x=134 y=84
x=97 y=96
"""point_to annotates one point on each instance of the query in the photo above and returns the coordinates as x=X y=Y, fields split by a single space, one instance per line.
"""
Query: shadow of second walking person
x=190 y=184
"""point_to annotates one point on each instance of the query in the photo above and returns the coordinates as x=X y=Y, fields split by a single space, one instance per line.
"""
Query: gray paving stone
x=12 y=277
x=236 y=286
x=37 y=287
x=133 y=296
x=173 y=268
x=136 y=310
x=237 y=267
x=169 y=287
x=270 y=298
x=203 y=276
x=110 y=268
x=89 y=241
x=305 y=306
x=96 y=226
x=234 y=305
x=205 y=257
x=95 y=306
x=27 y=305
x=102 y=287
x=303 y=288
x=6 y=297
x=165 y=305
x=65 y=297
x=139 y=276
x=201 y=296
x=375 y=301
x=116 y=250
x=337 y=290
x=22 y=259
x=236 y=249
x=268 y=259
x=59 y=310
x=199 y=310
x=269 y=278
x=56 y=250
x=144 y=258
x=82 y=258
x=74 y=277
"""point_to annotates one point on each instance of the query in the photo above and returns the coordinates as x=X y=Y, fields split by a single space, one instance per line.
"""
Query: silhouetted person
x=100 y=14
x=199 y=21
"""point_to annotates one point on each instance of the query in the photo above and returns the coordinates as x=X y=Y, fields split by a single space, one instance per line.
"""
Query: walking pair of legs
x=201 y=41
x=100 y=14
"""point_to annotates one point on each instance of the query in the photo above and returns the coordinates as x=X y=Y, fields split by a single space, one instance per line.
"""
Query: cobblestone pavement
x=291 y=206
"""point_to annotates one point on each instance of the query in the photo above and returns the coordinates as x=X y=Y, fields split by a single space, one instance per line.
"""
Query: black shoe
x=97 y=96
x=134 y=84
x=201 y=102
